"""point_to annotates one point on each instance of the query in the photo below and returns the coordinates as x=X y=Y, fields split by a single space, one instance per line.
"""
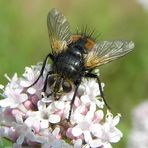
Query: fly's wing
x=107 y=51
x=58 y=30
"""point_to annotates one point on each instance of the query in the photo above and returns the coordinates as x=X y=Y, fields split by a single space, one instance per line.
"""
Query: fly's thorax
x=68 y=65
x=85 y=42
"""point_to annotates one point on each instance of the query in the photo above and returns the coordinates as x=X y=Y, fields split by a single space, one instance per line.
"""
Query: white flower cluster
x=139 y=134
x=143 y=3
x=28 y=119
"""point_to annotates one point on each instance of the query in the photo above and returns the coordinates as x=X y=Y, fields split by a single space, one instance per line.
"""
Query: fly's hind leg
x=91 y=75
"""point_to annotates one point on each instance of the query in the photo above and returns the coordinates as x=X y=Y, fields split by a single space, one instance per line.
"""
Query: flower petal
x=78 y=143
x=20 y=139
x=24 y=83
x=76 y=131
x=85 y=99
x=23 y=97
x=96 y=143
x=54 y=118
x=44 y=124
x=115 y=136
x=5 y=102
x=31 y=90
x=98 y=116
x=56 y=131
x=87 y=136
x=59 y=104
x=116 y=120
x=96 y=130
x=41 y=106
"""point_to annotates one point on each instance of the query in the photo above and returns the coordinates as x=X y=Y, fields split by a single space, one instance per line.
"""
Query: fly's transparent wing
x=107 y=51
x=58 y=30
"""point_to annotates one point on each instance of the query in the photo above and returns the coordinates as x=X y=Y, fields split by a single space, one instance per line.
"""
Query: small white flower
x=56 y=144
x=85 y=126
x=89 y=91
x=143 y=3
x=24 y=131
x=30 y=75
x=138 y=137
x=13 y=93
x=45 y=115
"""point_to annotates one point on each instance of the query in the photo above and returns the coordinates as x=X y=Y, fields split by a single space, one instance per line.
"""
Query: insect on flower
x=76 y=56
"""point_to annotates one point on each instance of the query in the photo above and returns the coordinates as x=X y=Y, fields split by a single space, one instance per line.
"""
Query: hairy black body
x=75 y=56
x=70 y=64
x=68 y=69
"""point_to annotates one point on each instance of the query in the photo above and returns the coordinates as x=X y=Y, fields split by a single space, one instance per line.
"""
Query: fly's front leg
x=73 y=99
x=46 y=81
x=42 y=70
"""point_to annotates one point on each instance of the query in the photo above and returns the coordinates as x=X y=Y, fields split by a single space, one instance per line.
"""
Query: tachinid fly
x=76 y=56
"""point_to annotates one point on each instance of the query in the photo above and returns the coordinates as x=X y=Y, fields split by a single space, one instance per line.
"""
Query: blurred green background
x=24 y=42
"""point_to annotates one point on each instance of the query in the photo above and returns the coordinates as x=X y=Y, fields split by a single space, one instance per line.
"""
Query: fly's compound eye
x=67 y=87
x=51 y=80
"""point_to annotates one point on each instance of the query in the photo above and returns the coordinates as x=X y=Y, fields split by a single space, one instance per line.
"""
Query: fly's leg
x=46 y=81
x=91 y=75
x=42 y=70
x=73 y=99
